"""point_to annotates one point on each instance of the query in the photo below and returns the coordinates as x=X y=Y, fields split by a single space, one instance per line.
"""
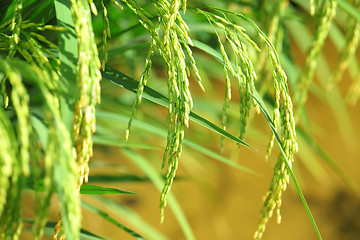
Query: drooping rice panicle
x=142 y=83
x=51 y=153
x=324 y=17
x=62 y=161
x=7 y=158
x=281 y=175
x=274 y=12
x=20 y=101
x=283 y=110
x=15 y=27
x=242 y=69
x=88 y=82
x=348 y=51
x=10 y=169
x=179 y=92
x=227 y=96
x=106 y=34
x=88 y=77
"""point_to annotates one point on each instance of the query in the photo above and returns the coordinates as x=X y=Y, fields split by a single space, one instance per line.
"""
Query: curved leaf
x=150 y=94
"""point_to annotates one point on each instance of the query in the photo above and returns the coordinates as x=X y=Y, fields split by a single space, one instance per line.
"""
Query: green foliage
x=54 y=54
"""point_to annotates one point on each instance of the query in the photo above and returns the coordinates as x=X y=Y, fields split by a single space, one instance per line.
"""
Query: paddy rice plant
x=60 y=60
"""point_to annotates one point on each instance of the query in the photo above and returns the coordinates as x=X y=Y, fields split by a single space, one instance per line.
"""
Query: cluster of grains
x=173 y=47
x=284 y=118
x=106 y=34
x=88 y=78
x=241 y=69
x=61 y=166
x=142 y=83
x=273 y=12
x=59 y=154
x=10 y=42
x=346 y=54
x=34 y=53
x=20 y=101
x=348 y=51
x=180 y=100
x=59 y=158
x=9 y=172
x=324 y=15
x=14 y=159
x=16 y=26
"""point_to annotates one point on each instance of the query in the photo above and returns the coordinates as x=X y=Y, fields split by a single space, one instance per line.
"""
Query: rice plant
x=62 y=60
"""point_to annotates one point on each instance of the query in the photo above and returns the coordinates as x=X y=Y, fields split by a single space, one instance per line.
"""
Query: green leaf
x=155 y=177
x=150 y=94
x=96 y=190
x=106 y=216
x=115 y=141
x=102 y=115
x=347 y=7
x=131 y=217
x=38 y=186
x=68 y=56
x=40 y=128
x=123 y=178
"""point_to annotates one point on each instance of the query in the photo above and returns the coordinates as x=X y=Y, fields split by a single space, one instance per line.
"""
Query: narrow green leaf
x=347 y=7
x=38 y=186
x=131 y=217
x=101 y=115
x=124 y=178
x=130 y=84
x=106 y=216
x=219 y=157
x=115 y=141
x=96 y=190
x=117 y=178
x=155 y=177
